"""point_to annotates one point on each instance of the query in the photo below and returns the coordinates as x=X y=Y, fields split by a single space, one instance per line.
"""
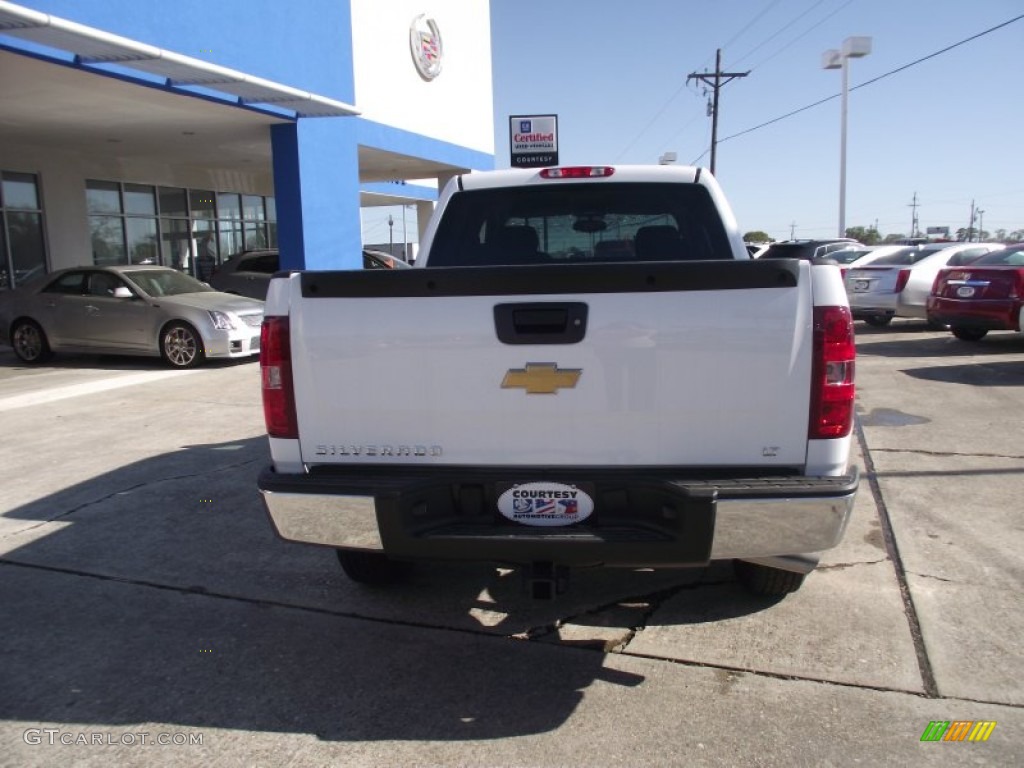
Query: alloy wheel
x=180 y=347
x=28 y=342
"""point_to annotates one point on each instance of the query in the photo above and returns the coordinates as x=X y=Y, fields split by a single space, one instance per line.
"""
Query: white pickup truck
x=584 y=369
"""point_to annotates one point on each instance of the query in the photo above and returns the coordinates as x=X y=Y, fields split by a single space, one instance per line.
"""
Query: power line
x=937 y=53
x=783 y=28
x=753 y=21
x=651 y=122
x=874 y=80
x=697 y=116
x=733 y=39
x=801 y=36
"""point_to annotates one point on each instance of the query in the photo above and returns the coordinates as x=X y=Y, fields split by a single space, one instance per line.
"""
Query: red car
x=985 y=295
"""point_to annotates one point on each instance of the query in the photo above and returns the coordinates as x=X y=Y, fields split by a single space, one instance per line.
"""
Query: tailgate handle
x=547 y=322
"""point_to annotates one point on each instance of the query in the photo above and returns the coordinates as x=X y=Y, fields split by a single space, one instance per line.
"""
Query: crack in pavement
x=929 y=576
x=789 y=677
x=123 y=491
x=949 y=454
x=662 y=594
x=544 y=630
x=844 y=566
x=924 y=664
x=638 y=607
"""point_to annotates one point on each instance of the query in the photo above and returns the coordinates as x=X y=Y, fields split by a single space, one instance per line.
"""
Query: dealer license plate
x=546 y=504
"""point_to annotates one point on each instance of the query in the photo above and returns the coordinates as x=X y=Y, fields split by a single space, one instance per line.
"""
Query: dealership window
x=229 y=222
x=193 y=230
x=22 y=248
x=175 y=240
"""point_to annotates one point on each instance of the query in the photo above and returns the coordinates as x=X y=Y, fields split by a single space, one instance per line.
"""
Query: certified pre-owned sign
x=533 y=140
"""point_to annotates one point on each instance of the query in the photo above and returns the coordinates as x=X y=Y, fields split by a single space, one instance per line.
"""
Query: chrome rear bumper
x=781 y=527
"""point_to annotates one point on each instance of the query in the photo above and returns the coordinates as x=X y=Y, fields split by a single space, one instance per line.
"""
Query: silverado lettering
x=379 y=450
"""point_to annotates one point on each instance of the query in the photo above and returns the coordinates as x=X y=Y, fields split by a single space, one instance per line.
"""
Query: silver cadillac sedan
x=128 y=310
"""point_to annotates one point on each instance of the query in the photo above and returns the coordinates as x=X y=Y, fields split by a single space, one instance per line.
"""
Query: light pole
x=391 y=235
x=853 y=48
x=981 y=225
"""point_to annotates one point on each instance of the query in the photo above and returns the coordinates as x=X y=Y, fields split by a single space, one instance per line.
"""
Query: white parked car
x=866 y=256
x=897 y=284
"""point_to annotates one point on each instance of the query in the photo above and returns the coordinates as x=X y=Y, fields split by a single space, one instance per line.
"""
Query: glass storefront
x=22 y=244
x=193 y=230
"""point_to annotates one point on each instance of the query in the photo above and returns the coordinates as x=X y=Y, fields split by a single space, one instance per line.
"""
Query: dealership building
x=139 y=131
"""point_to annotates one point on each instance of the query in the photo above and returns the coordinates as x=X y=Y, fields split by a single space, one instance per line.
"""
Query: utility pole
x=970 y=227
x=913 y=216
x=981 y=225
x=716 y=80
x=792 y=230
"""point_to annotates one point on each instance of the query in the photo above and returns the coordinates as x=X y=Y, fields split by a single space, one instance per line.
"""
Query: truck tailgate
x=679 y=364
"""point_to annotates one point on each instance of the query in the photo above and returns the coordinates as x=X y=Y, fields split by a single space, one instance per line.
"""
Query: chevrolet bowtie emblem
x=541 y=378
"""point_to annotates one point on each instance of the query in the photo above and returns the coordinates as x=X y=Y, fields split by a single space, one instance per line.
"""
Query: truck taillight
x=276 y=378
x=901 y=280
x=832 y=390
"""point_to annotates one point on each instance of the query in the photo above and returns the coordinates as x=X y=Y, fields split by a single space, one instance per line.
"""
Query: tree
x=894 y=237
x=866 y=235
x=1017 y=235
x=757 y=236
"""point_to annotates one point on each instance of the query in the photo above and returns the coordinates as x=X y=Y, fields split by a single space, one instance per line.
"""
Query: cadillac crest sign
x=425 y=45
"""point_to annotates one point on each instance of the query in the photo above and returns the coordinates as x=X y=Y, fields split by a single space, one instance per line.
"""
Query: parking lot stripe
x=89 y=388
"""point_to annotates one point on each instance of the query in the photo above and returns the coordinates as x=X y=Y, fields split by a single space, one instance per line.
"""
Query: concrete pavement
x=143 y=591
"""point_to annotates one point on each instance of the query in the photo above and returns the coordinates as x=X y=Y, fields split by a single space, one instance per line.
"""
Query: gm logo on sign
x=958 y=730
x=526 y=126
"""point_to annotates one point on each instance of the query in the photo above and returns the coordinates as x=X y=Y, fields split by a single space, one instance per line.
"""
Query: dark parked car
x=809 y=250
x=248 y=273
x=382 y=260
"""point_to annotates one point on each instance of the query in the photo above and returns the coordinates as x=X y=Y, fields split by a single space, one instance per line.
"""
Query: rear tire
x=29 y=342
x=968 y=334
x=767 y=582
x=878 y=321
x=373 y=568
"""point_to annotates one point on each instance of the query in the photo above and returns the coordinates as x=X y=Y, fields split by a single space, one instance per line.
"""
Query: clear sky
x=950 y=129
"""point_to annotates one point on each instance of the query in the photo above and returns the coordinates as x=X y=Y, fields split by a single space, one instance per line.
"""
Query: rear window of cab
x=572 y=222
